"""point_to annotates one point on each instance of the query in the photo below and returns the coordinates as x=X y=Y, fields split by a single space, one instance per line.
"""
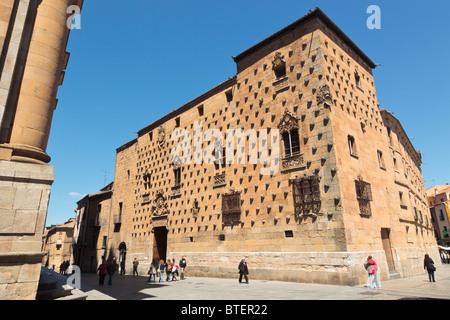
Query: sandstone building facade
x=439 y=203
x=57 y=244
x=93 y=212
x=344 y=186
x=33 y=39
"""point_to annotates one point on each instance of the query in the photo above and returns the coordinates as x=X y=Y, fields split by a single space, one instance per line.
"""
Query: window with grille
x=364 y=196
x=306 y=193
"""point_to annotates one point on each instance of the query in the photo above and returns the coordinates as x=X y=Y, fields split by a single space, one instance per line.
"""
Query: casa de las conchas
x=342 y=180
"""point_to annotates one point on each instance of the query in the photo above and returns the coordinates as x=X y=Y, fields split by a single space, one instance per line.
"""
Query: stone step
x=394 y=275
x=53 y=294
x=47 y=285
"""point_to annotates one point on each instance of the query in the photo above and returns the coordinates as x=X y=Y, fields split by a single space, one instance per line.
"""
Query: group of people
x=64 y=266
x=172 y=268
x=107 y=269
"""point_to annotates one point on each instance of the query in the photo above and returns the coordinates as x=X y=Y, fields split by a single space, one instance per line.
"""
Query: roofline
x=229 y=82
x=316 y=13
x=94 y=195
x=397 y=122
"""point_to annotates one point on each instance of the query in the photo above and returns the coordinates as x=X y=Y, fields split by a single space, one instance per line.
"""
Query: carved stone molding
x=324 y=96
x=278 y=63
x=219 y=180
x=161 y=137
x=295 y=162
x=160 y=206
x=288 y=123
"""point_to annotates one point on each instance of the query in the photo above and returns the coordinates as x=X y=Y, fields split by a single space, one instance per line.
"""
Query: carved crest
x=324 y=95
x=160 y=207
x=161 y=137
x=288 y=123
x=278 y=63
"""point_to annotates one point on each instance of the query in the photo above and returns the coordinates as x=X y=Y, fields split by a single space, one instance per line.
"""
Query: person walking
x=122 y=267
x=162 y=267
x=182 y=267
x=168 y=269
x=243 y=270
x=102 y=273
x=111 y=270
x=428 y=264
x=135 y=266
x=153 y=270
x=175 y=268
x=372 y=269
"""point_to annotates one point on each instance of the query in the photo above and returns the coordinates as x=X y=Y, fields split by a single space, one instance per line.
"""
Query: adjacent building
x=89 y=247
x=33 y=57
x=57 y=244
x=290 y=163
x=439 y=202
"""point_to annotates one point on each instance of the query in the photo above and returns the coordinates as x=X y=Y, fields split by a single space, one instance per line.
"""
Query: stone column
x=31 y=74
x=42 y=76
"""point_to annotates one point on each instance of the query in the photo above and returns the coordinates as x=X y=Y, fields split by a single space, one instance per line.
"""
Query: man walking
x=182 y=267
x=243 y=271
x=135 y=266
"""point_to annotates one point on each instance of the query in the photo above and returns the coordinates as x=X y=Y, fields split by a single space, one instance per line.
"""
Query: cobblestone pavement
x=193 y=288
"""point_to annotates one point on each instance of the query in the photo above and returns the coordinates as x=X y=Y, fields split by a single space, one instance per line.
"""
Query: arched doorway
x=122 y=257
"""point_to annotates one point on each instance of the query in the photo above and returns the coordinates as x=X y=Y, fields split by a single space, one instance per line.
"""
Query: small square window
x=288 y=234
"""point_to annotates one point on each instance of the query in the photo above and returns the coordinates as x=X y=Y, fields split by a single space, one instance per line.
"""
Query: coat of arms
x=161 y=137
x=160 y=208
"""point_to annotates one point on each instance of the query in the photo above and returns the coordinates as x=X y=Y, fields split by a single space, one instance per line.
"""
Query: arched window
x=289 y=130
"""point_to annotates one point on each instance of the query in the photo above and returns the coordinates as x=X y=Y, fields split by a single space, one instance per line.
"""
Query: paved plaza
x=194 y=288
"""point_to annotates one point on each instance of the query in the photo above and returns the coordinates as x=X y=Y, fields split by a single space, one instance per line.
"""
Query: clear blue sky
x=133 y=62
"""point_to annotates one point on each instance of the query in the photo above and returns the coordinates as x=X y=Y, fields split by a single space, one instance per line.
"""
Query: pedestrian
x=183 y=265
x=102 y=273
x=372 y=270
x=153 y=270
x=66 y=267
x=175 y=268
x=135 y=266
x=428 y=264
x=162 y=267
x=168 y=269
x=111 y=270
x=243 y=270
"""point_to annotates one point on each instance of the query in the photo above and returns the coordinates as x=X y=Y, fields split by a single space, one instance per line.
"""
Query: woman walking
x=168 y=269
x=428 y=264
x=174 y=270
x=162 y=266
x=154 y=268
x=372 y=269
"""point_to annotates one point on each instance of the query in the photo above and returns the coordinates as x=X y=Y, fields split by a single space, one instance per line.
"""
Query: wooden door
x=160 y=243
x=387 y=248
